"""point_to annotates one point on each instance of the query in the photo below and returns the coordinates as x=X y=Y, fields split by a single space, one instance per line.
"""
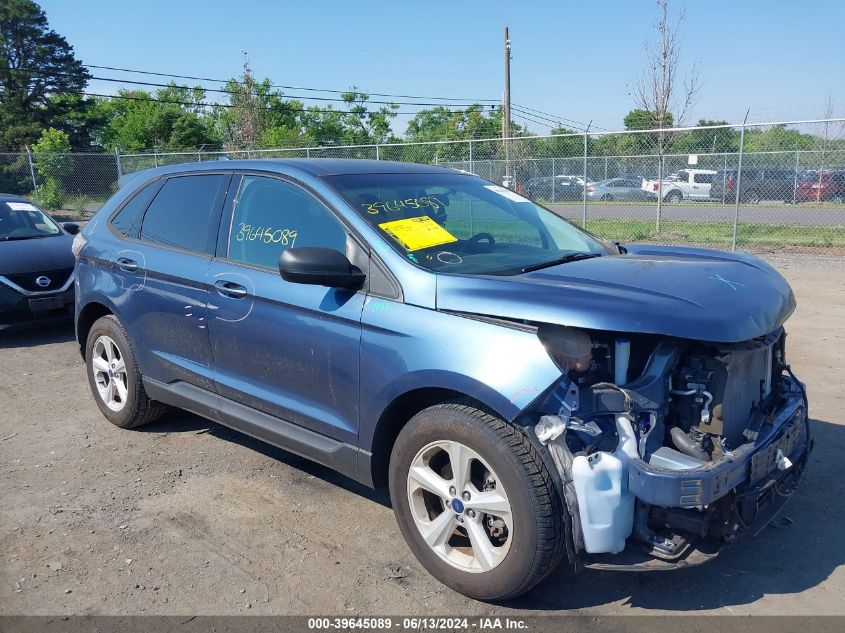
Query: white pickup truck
x=687 y=184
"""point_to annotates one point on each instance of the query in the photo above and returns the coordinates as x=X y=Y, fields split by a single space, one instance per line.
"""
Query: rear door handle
x=230 y=289
x=129 y=265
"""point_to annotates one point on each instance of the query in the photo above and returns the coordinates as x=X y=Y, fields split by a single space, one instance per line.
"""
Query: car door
x=162 y=276
x=285 y=349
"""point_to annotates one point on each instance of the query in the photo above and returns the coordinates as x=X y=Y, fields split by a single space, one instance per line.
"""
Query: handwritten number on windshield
x=408 y=203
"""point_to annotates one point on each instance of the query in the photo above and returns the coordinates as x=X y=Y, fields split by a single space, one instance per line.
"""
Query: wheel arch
x=399 y=412
x=86 y=318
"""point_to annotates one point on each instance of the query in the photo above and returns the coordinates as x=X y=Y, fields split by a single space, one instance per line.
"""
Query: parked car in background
x=686 y=184
x=757 y=183
x=527 y=392
x=618 y=189
x=555 y=188
x=36 y=265
x=828 y=186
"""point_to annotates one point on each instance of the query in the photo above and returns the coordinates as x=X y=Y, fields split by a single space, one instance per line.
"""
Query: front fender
x=406 y=347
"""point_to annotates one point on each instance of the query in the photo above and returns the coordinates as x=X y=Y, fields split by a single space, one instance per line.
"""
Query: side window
x=128 y=219
x=702 y=178
x=271 y=215
x=180 y=215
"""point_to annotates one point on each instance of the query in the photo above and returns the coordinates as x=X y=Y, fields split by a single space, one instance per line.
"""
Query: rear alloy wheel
x=674 y=196
x=115 y=378
x=754 y=198
x=475 y=502
x=607 y=198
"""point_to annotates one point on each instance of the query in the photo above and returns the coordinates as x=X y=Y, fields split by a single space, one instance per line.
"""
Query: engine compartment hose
x=686 y=445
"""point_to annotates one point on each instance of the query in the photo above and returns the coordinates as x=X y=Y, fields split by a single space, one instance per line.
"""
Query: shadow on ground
x=184 y=422
x=780 y=561
x=33 y=336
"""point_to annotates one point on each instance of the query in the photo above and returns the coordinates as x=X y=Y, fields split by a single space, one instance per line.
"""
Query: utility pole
x=506 y=111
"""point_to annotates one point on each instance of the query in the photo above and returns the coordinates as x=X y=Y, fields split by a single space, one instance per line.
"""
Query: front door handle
x=129 y=265
x=230 y=289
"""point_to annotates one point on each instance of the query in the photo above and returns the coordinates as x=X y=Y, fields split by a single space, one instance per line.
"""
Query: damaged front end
x=703 y=444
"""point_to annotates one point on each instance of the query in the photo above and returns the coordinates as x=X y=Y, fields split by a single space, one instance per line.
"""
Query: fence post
x=584 y=198
x=725 y=179
x=554 y=179
x=308 y=152
x=117 y=162
x=738 y=181
x=797 y=167
x=470 y=157
x=659 y=189
x=155 y=158
x=605 y=167
x=31 y=170
x=378 y=154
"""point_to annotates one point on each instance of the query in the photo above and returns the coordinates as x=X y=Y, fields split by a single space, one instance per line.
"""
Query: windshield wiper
x=10 y=238
x=572 y=257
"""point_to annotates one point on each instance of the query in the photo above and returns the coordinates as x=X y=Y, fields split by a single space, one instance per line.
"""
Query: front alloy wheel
x=460 y=506
x=475 y=502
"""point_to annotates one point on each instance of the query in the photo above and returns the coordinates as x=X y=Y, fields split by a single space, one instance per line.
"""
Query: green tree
x=53 y=162
x=36 y=63
x=140 y=121
x=362 y=125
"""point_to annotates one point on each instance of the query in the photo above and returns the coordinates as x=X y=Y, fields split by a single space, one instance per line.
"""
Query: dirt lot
x=187 y=517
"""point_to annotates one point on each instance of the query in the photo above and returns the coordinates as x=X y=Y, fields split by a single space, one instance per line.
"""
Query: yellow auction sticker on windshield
x=417 y=233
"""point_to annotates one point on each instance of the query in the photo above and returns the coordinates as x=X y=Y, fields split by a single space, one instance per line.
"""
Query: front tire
x=114 y=376
x=475 y=503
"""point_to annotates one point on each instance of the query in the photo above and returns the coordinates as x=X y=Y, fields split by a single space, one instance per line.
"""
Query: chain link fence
x=761 y=187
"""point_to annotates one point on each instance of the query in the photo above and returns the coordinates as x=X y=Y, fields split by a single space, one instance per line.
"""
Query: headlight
x=569 y=348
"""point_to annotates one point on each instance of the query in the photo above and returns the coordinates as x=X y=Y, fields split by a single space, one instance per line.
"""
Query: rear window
x=180 y=214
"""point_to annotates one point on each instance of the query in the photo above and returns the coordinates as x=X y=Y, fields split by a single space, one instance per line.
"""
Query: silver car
x=617 y=189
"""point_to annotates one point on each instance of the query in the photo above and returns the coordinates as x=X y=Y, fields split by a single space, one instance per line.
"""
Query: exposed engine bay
x=666 y=444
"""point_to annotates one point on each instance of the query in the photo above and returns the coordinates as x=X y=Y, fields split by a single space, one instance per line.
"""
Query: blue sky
x=574 y=59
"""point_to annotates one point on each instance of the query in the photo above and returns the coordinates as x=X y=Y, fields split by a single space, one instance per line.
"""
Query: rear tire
x=495 y=524
x=114 y=376
x=674 y=196
x=607 y=198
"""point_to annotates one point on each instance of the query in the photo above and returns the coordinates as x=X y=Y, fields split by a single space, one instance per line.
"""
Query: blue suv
x=528 y=392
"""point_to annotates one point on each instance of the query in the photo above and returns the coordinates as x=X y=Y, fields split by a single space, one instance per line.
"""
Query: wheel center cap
x=111 y=374
x=458 y=506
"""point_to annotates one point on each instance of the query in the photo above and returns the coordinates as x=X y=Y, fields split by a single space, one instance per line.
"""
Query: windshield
x=24 y=221
x=462 y=224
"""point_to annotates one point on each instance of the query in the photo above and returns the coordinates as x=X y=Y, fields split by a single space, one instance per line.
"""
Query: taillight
x=79 y=243
x=591 y=189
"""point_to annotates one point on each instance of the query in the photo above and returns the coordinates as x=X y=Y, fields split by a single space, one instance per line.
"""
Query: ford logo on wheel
x=43 y=281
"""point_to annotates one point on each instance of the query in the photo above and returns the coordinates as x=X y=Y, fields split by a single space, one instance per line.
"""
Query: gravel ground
x=187 y=517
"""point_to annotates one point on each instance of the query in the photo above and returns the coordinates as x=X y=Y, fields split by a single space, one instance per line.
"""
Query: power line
x=213 y=105
x=308 y=89
x=558 y=119
x=235 y=92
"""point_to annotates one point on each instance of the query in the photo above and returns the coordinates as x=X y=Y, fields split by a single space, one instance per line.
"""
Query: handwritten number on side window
x=267 y=235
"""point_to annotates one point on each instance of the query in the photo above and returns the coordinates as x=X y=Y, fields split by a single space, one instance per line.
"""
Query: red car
x=830 y=186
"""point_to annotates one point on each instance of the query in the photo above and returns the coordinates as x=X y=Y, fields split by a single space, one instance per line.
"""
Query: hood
x=35 y=255
x=684 y=292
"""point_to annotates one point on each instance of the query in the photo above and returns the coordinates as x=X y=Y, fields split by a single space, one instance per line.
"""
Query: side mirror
x=71 y=227
x=319 y=266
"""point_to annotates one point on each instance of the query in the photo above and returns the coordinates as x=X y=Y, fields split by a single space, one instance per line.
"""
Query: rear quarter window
x=127 y=221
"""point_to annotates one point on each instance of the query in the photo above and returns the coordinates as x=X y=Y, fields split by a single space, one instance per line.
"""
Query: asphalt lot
x=187 y=517
x=764 y=213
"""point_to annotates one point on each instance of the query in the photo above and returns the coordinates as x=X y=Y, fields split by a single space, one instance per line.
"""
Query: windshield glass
x=462 y=224
x=23 y=221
